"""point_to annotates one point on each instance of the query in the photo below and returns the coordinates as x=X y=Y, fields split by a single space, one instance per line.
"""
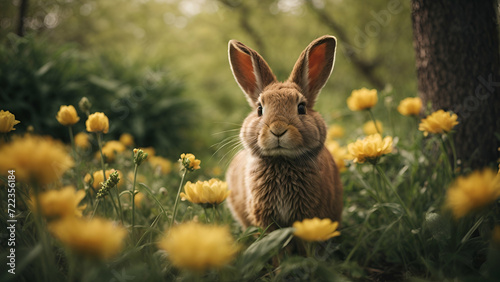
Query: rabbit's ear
x=314 y=66
x=250 y=70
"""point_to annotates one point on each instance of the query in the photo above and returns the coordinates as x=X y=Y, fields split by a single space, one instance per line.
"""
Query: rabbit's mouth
x=280 y=139
x=281 y=146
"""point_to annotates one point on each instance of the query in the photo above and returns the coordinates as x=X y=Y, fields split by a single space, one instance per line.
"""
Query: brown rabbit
x=284 y=173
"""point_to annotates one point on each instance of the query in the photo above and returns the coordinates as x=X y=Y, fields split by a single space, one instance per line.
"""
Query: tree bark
x=457 y=61
x=22 y=14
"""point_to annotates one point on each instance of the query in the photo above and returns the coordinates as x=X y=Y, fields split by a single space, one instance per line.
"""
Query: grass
x=394 y=226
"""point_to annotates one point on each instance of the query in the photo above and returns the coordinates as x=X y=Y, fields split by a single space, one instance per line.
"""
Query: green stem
x=206 y=214
x=95 y=208
x=388 y=182
x=155 y=221
x=119 y=203
x=216 y=213
x=447 y=160
x=72 y=268
x=309 y=249
x=154 y=197
x=379 y=199
x=133 y=199
x=41 y=232
x=72 y=138
x=374 y=121
x=453 y=151
x=471 y=231
x=177 y=198
x=99 y=142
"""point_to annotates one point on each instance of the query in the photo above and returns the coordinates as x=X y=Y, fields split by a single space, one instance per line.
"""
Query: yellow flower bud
x=334 y=131
x=7 y=121
x=190 y=162
x=127 y=139
x=67 y=115
x=161 y=164
x=362 y=99
x=84 y=104
x=338 y=153
x=410 y=106
x=111 y=149
x=97 y=122
x=370 y=127
x=82 y=140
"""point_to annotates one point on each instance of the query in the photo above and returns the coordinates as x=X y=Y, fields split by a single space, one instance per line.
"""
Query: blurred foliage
x=159 y=70
x=36 y=78
x=190 y=38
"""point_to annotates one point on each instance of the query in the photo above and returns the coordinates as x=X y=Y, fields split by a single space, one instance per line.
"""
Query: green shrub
x=36 y=78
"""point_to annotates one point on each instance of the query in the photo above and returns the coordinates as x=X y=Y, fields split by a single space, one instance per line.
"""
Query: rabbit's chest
x=283 y=194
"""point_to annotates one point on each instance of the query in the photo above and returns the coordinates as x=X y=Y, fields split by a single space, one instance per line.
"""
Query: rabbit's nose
x=278 y=128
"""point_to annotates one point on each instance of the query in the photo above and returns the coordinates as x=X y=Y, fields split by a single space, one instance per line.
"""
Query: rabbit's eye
x=302 y=109
x=260 y=110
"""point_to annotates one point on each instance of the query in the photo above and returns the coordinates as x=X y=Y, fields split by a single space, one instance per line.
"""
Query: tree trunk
x=22 y=14
x=457 y=57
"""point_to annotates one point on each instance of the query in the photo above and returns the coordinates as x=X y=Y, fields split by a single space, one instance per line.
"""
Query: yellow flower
x=127 y=139
x=438 y=122
x=150 y=151
x=339 y=154
x=217 y=171
x=7 y=121
x=95 y=238
x=61 y=203
x=82 y=140
x=111 y=148
x=35 y=158
x=362 y=99
x=213 y=191
x=195 y=246
x=316 y=229
x=67 y=115
x=161 y=164
x=334 y=131
x=138 y=199
x=190 y=162
x=97 y=122
x=472 y=192
x=98 y=178
x=140 y=178
x=370 y=148
x=410 y=106
x=369 y=127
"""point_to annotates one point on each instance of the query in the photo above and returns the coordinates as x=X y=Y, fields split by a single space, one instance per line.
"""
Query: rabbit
x=284 y=172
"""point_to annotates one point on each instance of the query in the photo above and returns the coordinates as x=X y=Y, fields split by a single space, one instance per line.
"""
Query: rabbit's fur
x=284 y=173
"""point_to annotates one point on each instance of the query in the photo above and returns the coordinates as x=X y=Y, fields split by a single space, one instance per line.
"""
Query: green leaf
x=307 y=269
x=107 y=84
x=438 y=226
x=260 y=252
x=44 y=69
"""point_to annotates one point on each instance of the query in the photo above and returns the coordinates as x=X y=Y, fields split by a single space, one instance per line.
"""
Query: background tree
x=457 y=57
